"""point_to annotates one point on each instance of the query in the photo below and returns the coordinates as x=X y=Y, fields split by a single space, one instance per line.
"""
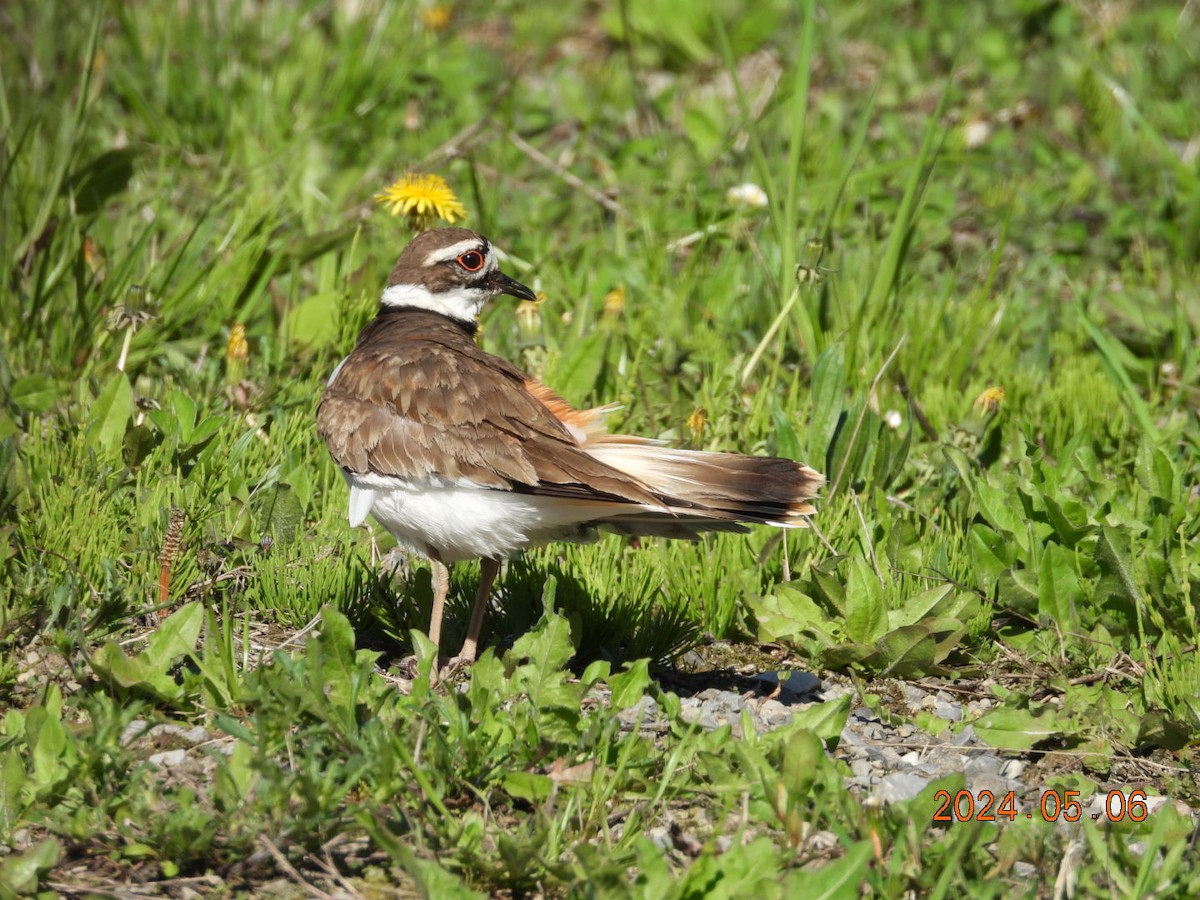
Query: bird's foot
x=455 y=665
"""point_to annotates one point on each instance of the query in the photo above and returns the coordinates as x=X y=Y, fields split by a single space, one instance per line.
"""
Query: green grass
x=1001 y=199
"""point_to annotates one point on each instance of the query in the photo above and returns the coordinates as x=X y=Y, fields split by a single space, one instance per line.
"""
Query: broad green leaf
x=840 y=879
x=1069 y=531
x=1116 y=564
x=431 y=879
x=312 y=322
x=20 y=874
x=1160 y=729
x=34 y=393
x=1009 y=728
x=866 y=602
x=1002 y=510
x=854 y=441
x=787 y=444
x=149 y=671
x=920 y=606
x=133 y=673
x=828 y=390
x=597 y=670
x=529 y=786
x=1018 y=590
x=990 y=553
x=48 y=741
x=909 y=651
x=185 y=416
x=825 y=720
x=176 y=636
x=961 y=465
x=1156 y=473
x=109 y=416
x=788 y=613
x=803 y=755
x=278 y=512
x=1058 y=588
x=630 y=686
x=206 y=429
x=848 y=654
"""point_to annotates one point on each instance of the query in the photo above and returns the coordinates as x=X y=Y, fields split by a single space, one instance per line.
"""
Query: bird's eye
x=472 y=260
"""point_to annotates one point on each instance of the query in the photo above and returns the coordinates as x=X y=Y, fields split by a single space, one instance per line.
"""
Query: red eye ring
x=472 y=260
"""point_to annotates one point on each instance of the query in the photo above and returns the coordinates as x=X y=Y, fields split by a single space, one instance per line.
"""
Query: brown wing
x=419 y=398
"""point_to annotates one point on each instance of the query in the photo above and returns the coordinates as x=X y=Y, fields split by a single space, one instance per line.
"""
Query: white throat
x=460 y=303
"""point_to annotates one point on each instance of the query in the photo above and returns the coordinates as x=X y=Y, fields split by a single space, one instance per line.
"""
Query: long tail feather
x=700 y=488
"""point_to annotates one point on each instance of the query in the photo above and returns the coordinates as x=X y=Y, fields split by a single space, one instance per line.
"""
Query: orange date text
x=1054 y=805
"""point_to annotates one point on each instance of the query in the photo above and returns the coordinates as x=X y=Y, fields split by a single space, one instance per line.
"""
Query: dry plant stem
x=290 y=871
x=573 y=180
x=123 y=358
x=867 y=538
x=752 y=362
x=917 y=410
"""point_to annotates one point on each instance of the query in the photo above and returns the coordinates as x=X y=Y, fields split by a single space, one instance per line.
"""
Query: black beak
x=502 y=284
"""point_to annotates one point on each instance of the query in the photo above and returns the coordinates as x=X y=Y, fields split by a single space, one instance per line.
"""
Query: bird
x=460 y=455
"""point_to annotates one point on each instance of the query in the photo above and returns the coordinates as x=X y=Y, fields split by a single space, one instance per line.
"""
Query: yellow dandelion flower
x=696 y=422
x=990 y=400
x=237 y=351
x=238 y=347
x=422 y=198
x=436 y=17
x=614 y=301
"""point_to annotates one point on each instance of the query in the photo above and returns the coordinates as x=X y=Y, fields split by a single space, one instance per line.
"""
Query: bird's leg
x=487 y=577
x=441 y=587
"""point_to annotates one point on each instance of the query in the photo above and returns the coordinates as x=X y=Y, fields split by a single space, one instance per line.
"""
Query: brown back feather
x=417 y=398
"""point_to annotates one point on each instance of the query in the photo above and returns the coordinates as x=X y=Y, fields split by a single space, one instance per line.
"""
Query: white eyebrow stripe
x=454 y=251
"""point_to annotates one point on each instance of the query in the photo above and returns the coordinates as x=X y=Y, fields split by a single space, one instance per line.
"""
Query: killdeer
x=460 y=455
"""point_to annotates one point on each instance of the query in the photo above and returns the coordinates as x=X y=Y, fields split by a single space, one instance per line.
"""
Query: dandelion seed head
x=747 y=196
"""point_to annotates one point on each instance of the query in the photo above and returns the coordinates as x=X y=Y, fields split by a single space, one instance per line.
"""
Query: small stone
x=1013 y=768
x=861 y=768
x=983 y=765
x=822 y=841
x=994 y=784
x=951 y=712
x=660 y=837
x=966 y=736
x=912 y=758
x=191 y=736
x=913 y=696
x=899 y=786
x=774 y=713
x=643 y=711
x=169 y=758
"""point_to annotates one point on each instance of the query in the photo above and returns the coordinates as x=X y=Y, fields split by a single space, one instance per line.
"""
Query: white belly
x=462 y=521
